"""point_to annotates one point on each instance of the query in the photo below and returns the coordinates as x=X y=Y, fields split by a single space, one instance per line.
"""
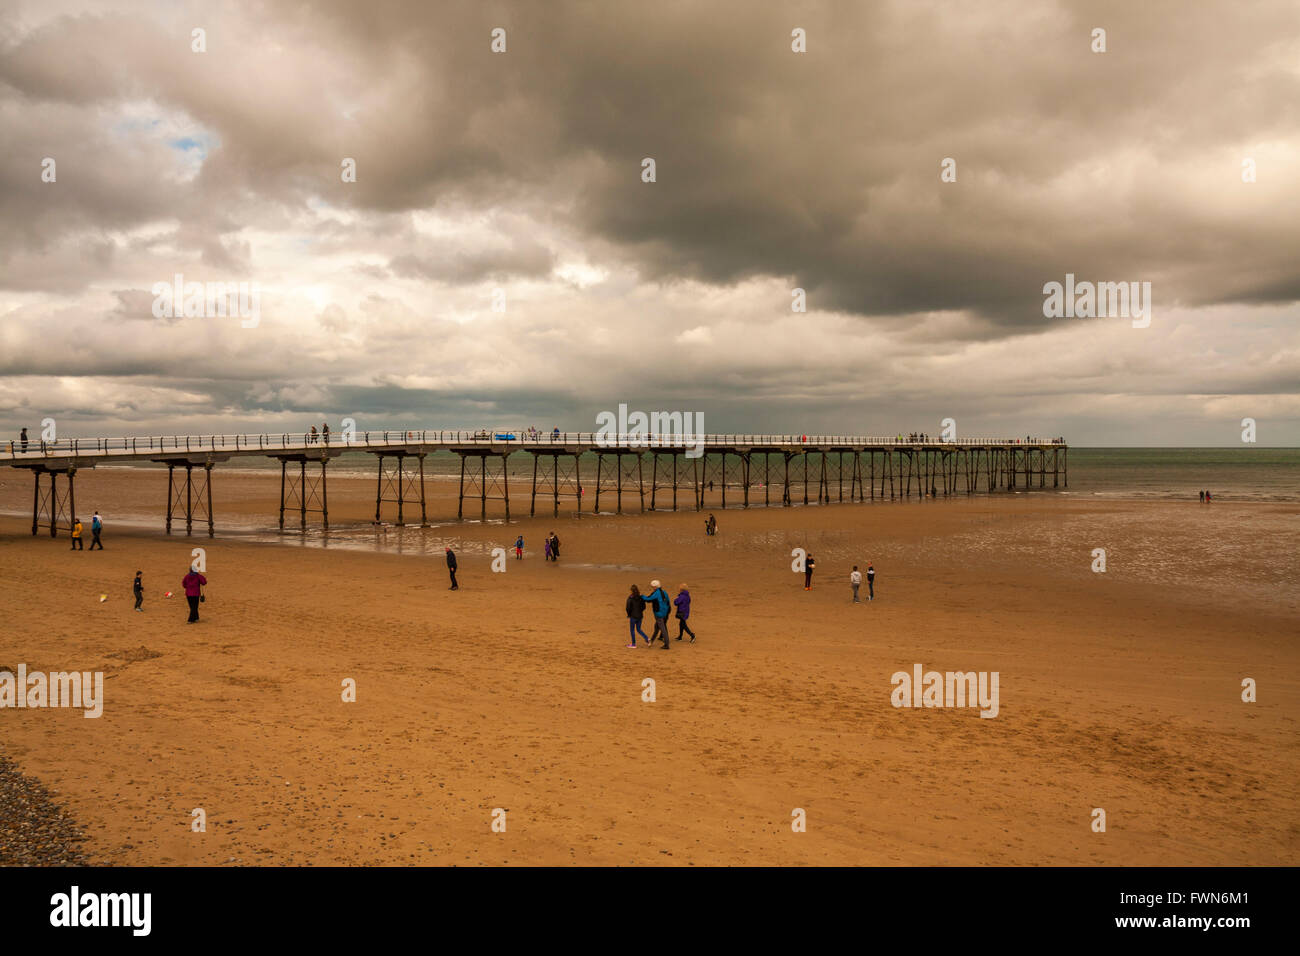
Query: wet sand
x=1119 y=690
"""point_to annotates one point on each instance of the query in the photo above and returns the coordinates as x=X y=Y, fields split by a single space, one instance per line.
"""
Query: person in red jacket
x=193 y=584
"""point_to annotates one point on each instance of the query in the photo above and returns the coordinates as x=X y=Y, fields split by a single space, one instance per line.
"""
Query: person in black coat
x=451 y=569
x=635 y=615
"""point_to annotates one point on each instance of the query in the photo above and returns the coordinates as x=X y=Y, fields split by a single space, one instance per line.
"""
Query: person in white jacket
x=855 y=580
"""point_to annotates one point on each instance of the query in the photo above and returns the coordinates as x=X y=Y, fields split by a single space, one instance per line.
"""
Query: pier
x=637 y=472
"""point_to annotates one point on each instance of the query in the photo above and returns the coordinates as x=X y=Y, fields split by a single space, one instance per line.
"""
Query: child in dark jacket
x=683 y=603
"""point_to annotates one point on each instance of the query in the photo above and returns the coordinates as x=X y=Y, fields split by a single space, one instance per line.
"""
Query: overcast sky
x=522 y=172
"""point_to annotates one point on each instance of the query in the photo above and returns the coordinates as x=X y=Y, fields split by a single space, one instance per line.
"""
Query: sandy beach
x=1118 y=690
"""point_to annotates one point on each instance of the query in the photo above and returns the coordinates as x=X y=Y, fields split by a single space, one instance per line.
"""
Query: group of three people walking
x=660 y=606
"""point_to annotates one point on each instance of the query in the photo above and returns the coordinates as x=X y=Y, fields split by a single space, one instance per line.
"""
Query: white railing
x=17 y=450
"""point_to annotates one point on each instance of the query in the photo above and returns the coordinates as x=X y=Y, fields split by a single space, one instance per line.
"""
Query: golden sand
x=1119 y=691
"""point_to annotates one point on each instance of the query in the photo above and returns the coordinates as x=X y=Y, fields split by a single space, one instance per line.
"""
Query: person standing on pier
x=807 y=572
x=871 y=583
x=137 y=588
x=325 y=432
x=635 y=615
x=311 y=437
x=193 y=583
x=451 y=569
x=96 y=527
x=855 y=582
x=77 y=544
x=22 y=437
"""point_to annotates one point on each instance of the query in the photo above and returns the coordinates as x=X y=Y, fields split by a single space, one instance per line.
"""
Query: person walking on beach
x=137 y=588
x=635 y=615
x=683 y=603
x=193 y=583
x=1202 y=497
x=555 y=547
x=77 y=544
x=1207 y=497
x=451 y=569
x=519 y=548
x=546 y=549
x=660 y=604
x=96 y=526
x=807 y=572
x=871 y=583
x=855 y=582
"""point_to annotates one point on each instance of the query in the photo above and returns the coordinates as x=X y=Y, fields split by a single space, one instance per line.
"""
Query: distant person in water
x=808 y=566
x=451 y=570
x=635 y=615
x=193 y=584
x=519 y=548
x=683 y=604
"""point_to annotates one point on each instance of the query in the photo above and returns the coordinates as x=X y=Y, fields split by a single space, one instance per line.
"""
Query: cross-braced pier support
x=720 y=469
x=489 y=484
x=190 y=495
x=626 y=466
x=397 y=484
x=305 y=491
x=54 y=507
x=561 y=475
x=654 y=478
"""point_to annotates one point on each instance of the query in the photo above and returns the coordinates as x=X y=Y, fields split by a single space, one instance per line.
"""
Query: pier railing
x=143 y=446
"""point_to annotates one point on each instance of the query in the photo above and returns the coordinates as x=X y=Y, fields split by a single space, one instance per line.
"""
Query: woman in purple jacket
x=683 y=602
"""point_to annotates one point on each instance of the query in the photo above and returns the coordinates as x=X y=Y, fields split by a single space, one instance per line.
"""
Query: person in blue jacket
x=659 y=604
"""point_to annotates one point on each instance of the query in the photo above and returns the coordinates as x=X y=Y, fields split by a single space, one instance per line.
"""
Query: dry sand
x=1119 y=690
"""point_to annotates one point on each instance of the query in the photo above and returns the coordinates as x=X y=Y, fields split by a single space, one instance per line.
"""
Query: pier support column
x=53 y=507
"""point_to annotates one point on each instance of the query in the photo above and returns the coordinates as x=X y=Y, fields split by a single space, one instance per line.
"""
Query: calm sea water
x=1239 y=474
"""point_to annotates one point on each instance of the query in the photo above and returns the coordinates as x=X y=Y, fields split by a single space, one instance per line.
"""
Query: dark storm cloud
x=774 y=170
